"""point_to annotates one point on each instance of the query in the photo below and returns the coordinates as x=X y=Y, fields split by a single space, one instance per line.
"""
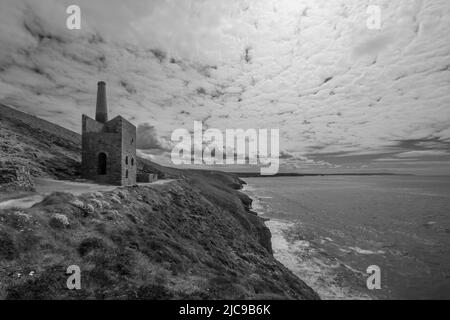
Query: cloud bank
x=342 y=95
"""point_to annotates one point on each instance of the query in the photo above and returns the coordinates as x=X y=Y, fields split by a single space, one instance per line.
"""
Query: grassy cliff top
x=171 y=241
x=190 y=238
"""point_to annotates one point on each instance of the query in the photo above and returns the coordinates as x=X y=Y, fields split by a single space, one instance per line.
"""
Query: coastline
x=323 y=273
x=161 y=241
x=190 y=235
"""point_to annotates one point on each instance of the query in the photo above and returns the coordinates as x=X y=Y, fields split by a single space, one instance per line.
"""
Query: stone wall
x=117 y=139
x=108 y=141
x=129 y=163
x=146 y=177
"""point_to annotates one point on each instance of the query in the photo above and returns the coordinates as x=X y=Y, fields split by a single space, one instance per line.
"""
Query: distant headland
x=295 y=174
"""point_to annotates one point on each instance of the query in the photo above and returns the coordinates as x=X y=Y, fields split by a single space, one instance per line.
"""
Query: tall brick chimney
x=101 y=113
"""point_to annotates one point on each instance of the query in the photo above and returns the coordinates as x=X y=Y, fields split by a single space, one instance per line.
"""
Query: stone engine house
x=108 y=147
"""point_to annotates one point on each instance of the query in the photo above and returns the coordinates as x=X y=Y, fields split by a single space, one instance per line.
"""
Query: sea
x=328 y=230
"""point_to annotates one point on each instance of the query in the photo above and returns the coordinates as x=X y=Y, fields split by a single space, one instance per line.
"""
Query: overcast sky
x=345 y=98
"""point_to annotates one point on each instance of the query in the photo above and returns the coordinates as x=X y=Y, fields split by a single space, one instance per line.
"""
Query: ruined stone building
x=108 y=147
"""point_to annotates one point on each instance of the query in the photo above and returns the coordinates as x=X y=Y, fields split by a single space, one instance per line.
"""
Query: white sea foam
x=321 y=272
x=309 y=264
x=257 y=204
x=362 y=251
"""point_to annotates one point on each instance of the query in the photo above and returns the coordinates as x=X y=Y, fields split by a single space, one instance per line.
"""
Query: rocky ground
x=191 y=238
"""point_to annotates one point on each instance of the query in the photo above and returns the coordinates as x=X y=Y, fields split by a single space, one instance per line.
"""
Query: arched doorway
x=101 y=169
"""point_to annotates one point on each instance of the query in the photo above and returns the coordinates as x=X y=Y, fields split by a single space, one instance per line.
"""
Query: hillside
x=191 y=237
x=48 y=150
x=52 y=151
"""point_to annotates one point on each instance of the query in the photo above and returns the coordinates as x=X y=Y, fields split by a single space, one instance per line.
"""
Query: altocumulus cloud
x=308 y=67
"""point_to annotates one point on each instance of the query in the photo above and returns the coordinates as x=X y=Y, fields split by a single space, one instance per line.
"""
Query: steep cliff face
x=190 y=237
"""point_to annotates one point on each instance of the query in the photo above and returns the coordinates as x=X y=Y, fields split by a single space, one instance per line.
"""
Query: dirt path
x=45 y=187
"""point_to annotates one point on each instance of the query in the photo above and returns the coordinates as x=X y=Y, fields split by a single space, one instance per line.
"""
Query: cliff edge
x=190 y=237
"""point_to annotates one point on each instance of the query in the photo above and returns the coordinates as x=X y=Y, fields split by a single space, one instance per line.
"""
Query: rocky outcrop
x=15 y=178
